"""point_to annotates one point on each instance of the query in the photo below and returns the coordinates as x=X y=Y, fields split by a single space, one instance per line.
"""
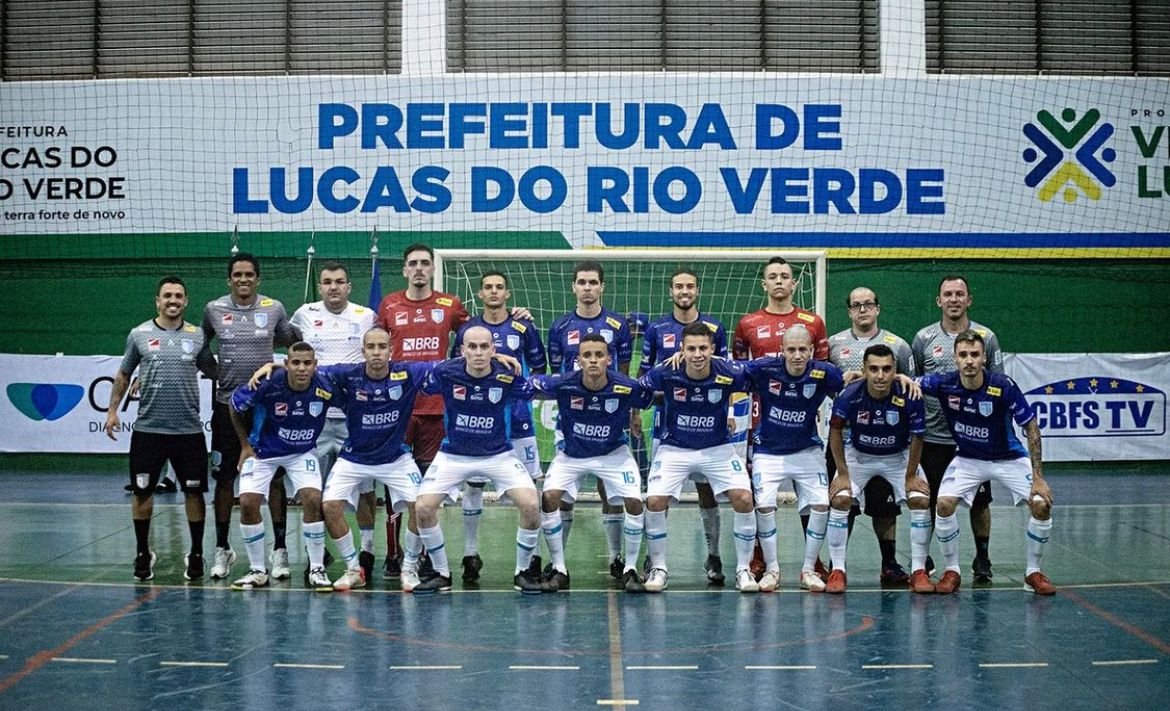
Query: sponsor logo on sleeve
x=444 y=301
x=280 y=409
x=573 y=338
x=459 y=392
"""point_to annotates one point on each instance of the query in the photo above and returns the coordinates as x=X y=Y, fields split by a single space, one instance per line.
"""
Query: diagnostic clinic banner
x=58 y=404
x=1097 y=407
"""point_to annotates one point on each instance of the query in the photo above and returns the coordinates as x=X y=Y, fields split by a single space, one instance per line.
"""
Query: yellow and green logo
x=1069 y=155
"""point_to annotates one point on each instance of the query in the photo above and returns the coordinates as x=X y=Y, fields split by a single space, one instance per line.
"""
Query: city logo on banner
x=1072 y=155
x=44 y=401
x=1099 y=406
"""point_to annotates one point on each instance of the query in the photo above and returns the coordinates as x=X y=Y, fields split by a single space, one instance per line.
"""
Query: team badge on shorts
x=513 y=341
x=611 y=405
x=714 y=396
x=985 y=408
x=495 y=394
x=316 y=408
x=261 y=320
x=810 y=389
x=437 y=315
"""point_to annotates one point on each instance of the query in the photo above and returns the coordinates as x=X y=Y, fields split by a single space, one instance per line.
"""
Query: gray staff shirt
x=245 y=335
x=169 y=361
x=934 y=352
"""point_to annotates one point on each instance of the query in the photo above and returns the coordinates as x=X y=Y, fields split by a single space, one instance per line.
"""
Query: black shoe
x=194 y=569
x=556 y=581
x=392 y=568
x=646 y=567
x=472 y=564
x=535 y=566
x=129 y=488
x=981 y=568
x=366 y=563
x=166 y=486
x=435 y=583
x=547 y=572
x=714 y=568
x=616 y=567
x=144 y=565
x=527 y=583
x=930 y=566
x=633 y=582
x=893 y=575
x=426 y=569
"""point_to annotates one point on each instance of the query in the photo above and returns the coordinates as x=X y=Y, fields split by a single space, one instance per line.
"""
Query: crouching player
x=885 y=425
x=979 y=407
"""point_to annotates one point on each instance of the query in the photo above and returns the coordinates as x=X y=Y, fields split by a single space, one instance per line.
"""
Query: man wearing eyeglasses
x=847 y=351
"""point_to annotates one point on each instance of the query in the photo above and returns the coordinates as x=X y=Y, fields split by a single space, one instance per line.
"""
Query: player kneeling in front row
x=290 y=414
x=594 y=405
x=697 y=441
x=886 y=425
x=979 y=406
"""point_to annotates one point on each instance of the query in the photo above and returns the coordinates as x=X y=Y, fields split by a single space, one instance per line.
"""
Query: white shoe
x=319 y=580
x=410 y=580
x=769 y=581
x=355 y=578
x=254 y=579
x=812 y=582
x=278 y=564
x=221 y=566
x=656 y=581
x=745 y=582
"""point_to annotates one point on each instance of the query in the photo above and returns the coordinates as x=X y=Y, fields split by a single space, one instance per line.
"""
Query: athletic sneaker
x=769 y=581
x=350 y=579
x=836 y=584
x=166 y=486
x=948 y=583
x=1039 y=583
x=366 y=563
x=757 y=565
x=326 y=561
x=436 y=583
x=556 y=581
x=981 y=570
x=254 y=579
x=714 y=568
x=821 y=571
x=534 y=566
x=426 y=569
x=527 y=583
x=745 y=582
x=319 y=580
x=617 y=568
x=278 y=564
x=144 y=565
x=194 y=563
x=632 y=581
x=656 y=581
x=812 y=582
x=920 y=583
x=410 y=580
x=392 y=568
x=472 y=564
x=893 y=575
x=221 y=565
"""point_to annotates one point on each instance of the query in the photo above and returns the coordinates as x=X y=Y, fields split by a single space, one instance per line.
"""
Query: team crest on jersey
x=810 y=389
x=573 y=338
x=513 y=341
x=361 y=396
x=395 y=392
x=680 y=394
x=611 y=405
x=892 y=417
x=189 y=346
x=280 y=409
x=763 y=332
x=459 y=392
x=986 y=407
x=153 y=344
x=607 y=335
x=577 y=403
x=621 y=390
x=714 y=396
x=316 y=408
x=355 y=329
x=954 y=402
x=668 y=340
x=261 y=320
x=227 y=319
x=495 y=394
x=774 y=387
x=437 y=315
x=401 y=318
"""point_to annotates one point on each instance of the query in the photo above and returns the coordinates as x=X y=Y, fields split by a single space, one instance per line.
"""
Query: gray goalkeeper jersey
x=934 y=352
x=169 y=361
x=245 y=335
x=846 y=350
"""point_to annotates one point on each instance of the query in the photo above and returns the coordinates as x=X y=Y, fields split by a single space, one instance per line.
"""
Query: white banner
x=1097 y=406
x=58 y=404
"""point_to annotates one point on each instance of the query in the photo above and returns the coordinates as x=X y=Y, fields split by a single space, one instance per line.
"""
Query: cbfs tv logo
x=1071 y=156
x=1099 y=407
x=44 y=401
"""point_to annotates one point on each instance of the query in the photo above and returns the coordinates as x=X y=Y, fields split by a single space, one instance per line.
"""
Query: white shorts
x=348 y=479
x=330 y=444
x=697 y=477
x=891 y=467
x=525 y=451
x=720 y=464
x=300 y=470
x=806 y=470
x=963 y=477
x=448 y=471
x=617 y=469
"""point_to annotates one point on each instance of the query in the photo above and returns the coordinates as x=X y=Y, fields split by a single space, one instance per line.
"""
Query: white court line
x=84 y=660
x=216 y=665
x=1014 y=665
x=439 y=667
x=617 y=702
x=676 y=667
x=533 y=667
x=1122 y=662
x=283 y=665
x=781 y=667
x=3 y=656
x=897 y=666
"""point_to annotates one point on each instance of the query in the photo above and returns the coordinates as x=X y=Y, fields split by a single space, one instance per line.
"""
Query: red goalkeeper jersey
x=761 y=333
x=421 y=330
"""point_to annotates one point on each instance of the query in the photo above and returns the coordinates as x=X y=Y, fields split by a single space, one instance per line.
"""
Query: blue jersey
x=695 y=411
x=521 y=340
x=477 y=412
x=981 y=420
x=284 y=421
x=377 y=412
x=879 y=426
x=564 y=339
x=593 y=421
x=789 y=404
x=663 y=338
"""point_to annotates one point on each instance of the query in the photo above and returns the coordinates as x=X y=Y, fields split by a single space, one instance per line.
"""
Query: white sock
x=612 y=522
x=655 y=522
x=566 y=524
x=367 y=535
x=550 y=526
x=527 y=539
x=919 y=538
x=744 y=531
x=345 y=549
x=472 y=513
x=710 y=518
x=432 y=539
x=766 y=533
x=314 y=534
x=411 y=550
x=254 y=544
x=1038 y=534
x=814 y=536
x=633 y=527
x=837 y=536
x=947 y=530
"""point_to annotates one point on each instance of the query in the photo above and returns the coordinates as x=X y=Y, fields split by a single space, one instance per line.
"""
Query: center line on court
x=283 y=665
x=780 y=667
x=84 y=660
x=216 y=665
x=897 y=666
x=664 y=667
x=1013 y=665
x=423 y=667
x=1122 y=662
x=617 y=702
x=535 y=667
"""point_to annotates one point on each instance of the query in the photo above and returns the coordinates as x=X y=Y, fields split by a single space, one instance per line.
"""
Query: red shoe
x=948 y=583
x=821 y=570
x=836 y=583
x=756 y=566
x=1039 y=583
x=920 y=583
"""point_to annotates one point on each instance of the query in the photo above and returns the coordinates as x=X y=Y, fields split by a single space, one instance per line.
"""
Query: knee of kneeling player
x=946 y=506
x=1041 y=509
x=917 y=501
x=842 y=502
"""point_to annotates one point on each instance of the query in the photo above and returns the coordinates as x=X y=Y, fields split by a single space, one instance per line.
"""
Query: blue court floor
x=76 y=631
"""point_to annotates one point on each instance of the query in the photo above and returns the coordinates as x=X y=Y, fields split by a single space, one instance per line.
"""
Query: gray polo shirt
x=169 y=361
x=934 y=352
x=846 y=350
x=245 y=335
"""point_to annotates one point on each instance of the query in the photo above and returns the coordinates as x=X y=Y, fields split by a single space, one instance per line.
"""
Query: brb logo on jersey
x=1099 y=407
x=44 y=401
x=1056 y=171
